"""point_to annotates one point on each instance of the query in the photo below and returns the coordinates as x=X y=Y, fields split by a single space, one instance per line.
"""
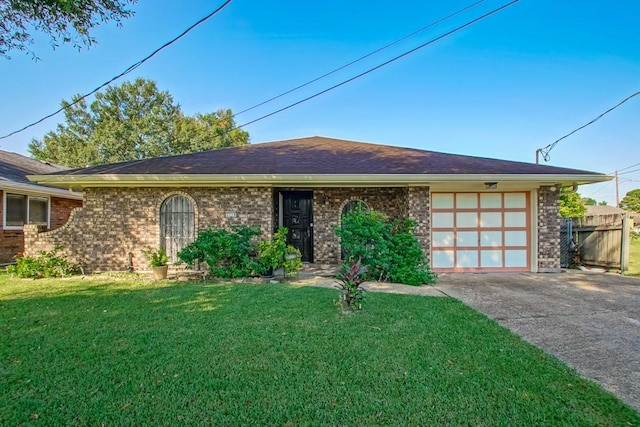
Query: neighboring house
x=599 y=210
x=24 y=202
x=473 y=214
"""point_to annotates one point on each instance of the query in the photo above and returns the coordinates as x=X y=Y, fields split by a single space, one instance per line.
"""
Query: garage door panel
x=442 y=201
x=466 y=219
x=491 y=238
x=442 y=238
x=466 y=259
x=491 y=259
x=443 y=259
x=515 y=258
x=442 y=220
x=476 y=231
x=515 y=200
x=491 y=219
x=466 y=201
x=490 y=201
x=467 y=238
x=515 y=238
x=515 y=219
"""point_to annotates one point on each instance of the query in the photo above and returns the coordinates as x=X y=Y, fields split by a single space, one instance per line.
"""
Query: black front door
x=297 y=216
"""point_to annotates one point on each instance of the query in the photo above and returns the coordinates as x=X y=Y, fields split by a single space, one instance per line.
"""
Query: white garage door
x=480 y=231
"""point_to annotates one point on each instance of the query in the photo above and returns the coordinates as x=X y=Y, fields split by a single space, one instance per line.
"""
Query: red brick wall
x=116 y=222
x=12 y=241
x=60 y=211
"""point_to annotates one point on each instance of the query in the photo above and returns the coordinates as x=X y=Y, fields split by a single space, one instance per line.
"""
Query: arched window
x=352 y=206
x=177 y=225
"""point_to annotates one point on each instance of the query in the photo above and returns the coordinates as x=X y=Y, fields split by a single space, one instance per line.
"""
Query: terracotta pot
x=160 y=273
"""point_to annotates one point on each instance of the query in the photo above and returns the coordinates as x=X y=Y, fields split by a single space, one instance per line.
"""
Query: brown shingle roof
x=319 y=155
x=15 y=167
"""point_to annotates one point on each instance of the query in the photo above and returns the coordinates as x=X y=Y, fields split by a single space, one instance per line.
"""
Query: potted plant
x=271 y=253
x=158 y=261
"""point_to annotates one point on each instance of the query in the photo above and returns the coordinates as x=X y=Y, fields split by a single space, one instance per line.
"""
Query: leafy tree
x=130 y=122
x=631 y=201
x=571 y=206
x=206 y=131
x=602 y=203
x=588 y=201
x=64 y=21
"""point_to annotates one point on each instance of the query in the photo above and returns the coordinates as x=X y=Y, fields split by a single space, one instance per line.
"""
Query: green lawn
x=634 y=257
x=116 y=352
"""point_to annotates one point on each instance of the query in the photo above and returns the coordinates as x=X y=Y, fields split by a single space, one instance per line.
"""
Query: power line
x=545 y=150
x=624 y=173
x=125 y=72
x=599 y=189
x=455 y=30
x=628 y=167
x=433 y=24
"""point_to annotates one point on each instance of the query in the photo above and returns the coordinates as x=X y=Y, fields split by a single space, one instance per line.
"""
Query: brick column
x=419 y=211
x=548 y=231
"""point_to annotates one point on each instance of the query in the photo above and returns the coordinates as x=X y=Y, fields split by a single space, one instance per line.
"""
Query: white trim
x=316 y=180
x=38 y=190
x=534 y=230
x=29 y=197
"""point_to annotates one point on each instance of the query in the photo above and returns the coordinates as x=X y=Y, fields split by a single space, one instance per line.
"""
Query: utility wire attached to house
x=407 y=53
x=545 y=150
x=122 y=74
x=629 y=167
x=433 y=24
x=627 y=172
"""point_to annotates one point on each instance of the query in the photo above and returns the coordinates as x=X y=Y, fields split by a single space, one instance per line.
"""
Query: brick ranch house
x=23 y=202
x=473 y=214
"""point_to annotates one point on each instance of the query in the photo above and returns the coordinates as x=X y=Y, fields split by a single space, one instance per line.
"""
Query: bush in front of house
x=408 y=263
x=44 y=264
x=227 y=253
x=388 y=248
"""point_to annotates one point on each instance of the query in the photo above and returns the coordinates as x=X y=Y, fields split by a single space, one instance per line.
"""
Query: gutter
x=316 y=180
x=39 y=190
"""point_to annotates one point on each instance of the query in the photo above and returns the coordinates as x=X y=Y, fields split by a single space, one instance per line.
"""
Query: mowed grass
x=93 y=352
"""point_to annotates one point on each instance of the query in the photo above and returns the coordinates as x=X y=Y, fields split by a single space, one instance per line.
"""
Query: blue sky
x=512 y=83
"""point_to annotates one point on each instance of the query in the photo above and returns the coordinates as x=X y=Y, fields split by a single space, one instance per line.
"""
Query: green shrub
x=408 y=263
x=227 y=253
x=44 y=264
x=388 y=248
x=366 y=236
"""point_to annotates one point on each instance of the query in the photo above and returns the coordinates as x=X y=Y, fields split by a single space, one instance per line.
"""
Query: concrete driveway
x=589 y=321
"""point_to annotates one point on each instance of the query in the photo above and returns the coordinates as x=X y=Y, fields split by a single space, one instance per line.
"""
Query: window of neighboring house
x=20 y=209
x=177 y=225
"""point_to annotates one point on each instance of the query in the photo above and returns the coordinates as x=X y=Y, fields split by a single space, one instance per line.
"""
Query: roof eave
x=308 y=180
x=36 y=189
